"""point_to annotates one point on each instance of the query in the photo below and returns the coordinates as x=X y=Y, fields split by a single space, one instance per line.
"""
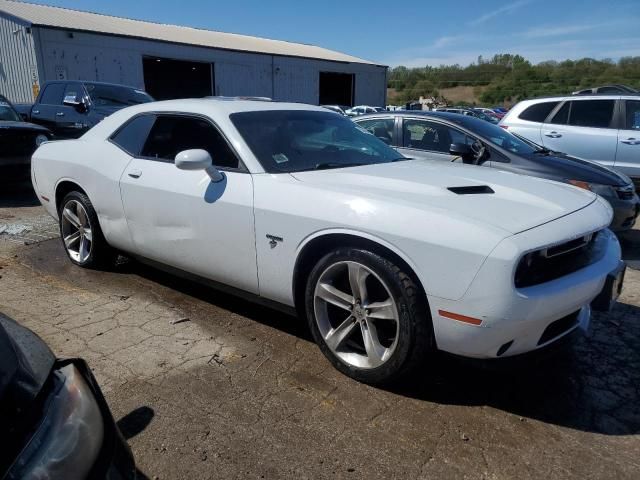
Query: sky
x=413 y=34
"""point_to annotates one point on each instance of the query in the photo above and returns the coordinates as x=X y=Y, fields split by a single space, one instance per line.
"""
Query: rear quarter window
x=132 y=136
x=538 y=112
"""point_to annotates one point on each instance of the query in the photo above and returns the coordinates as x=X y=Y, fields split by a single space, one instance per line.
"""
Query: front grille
x=17 y=144
x=557 y=328
x=557 y=261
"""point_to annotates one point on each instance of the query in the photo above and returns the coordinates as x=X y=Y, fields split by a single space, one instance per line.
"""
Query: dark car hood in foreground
x=21 y=127
x=564 y=167
x=25 y=364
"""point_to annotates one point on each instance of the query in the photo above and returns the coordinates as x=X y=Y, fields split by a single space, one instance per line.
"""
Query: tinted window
x=562 y=116
x=538 y=112
x=73 y=92
x=7 y=112
x=499 y=137
x=432 y=136
x=171 y=135
x=132 y=136
x=115 y=95
x=381 y=128
x=610 y=90
x=633 y=115
x=52 y=94
x=591 y=113
x=296 y=140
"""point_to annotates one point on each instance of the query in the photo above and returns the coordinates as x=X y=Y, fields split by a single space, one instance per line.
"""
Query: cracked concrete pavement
x=233 y=390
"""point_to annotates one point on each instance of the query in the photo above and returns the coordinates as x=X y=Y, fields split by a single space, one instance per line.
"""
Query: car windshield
x=297 y=140
x=501 y=137
x=116 y=96
x=7 y=112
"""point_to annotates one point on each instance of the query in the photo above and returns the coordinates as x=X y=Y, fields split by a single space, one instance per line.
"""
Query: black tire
x=101 y=255
x=414 y=332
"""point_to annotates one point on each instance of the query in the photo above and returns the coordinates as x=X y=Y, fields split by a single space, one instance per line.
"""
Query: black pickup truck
x=70 y=108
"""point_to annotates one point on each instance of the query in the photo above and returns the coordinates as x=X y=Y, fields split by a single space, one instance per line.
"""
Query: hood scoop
x=471 y=190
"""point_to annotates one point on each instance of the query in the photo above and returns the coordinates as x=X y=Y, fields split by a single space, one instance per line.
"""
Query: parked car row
x=481 y=113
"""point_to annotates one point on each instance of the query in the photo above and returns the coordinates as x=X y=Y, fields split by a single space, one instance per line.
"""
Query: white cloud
x=504 y=9
x=563 y=30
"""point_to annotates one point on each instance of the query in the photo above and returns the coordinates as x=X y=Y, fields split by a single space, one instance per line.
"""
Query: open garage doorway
x=165 y=78
x=336 y=88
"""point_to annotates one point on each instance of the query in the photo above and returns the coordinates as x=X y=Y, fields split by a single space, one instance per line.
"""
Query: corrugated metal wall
x=88 y=56
x=18 y=68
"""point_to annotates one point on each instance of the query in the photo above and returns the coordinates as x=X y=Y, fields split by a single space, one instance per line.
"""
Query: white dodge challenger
x=295 y=206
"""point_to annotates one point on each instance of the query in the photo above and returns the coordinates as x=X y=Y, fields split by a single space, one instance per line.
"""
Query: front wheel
x=367 y=315
x=81 y=235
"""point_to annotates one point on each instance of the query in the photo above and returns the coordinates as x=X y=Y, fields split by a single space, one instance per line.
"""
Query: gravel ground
x=209 y=386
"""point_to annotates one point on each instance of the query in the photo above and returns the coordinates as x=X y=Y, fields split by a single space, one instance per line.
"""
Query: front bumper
x=625 y=213
x=519 y=320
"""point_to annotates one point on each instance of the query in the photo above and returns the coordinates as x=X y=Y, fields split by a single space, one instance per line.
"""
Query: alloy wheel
x=76 y=231
x=356 y=314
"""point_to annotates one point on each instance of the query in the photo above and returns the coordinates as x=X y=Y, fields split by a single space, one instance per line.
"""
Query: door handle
x=135 y=173
x=631 y=141
x=553 y=135
x=36 y=112
x=60 y=114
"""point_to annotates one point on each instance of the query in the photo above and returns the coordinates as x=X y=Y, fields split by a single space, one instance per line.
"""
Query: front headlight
x=69 y=437
x=40 y=139
x=599 y=189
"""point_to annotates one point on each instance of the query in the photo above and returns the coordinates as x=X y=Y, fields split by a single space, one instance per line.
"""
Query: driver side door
x=181 y=218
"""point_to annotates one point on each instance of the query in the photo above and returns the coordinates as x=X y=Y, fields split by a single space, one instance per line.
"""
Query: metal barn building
x=40 y=43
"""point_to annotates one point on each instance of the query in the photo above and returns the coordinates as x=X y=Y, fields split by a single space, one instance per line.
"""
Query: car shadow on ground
x=589 y=382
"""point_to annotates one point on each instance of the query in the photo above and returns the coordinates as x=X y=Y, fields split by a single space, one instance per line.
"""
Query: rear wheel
x=81 y=235
x=367 y=315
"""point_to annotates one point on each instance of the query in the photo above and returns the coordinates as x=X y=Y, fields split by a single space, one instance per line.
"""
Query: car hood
x=571 y=168
x=517 y=203
x=21 y=126
x=25 y=364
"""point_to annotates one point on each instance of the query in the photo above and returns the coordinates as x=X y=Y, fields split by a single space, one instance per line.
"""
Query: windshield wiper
x=328 y=165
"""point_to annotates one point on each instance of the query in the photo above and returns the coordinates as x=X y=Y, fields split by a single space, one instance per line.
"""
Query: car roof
x=599 y=96
x=106 y=84
x=463 y=120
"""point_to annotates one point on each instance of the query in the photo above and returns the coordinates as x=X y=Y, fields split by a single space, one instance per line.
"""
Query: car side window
x=52 y=94
x=633 y=115
x=171 y=134
x=431 y=136
x=132 y=135
x=72 y=92
x=538 y=112
x=592 y=113
x=380 y=127
x=562 y=116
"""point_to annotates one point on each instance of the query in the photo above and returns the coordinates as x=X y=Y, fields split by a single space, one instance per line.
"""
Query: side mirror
x=462 y=150
x=198 y=159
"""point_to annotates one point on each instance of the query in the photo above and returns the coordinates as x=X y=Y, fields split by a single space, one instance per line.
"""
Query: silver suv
x=602 y=128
